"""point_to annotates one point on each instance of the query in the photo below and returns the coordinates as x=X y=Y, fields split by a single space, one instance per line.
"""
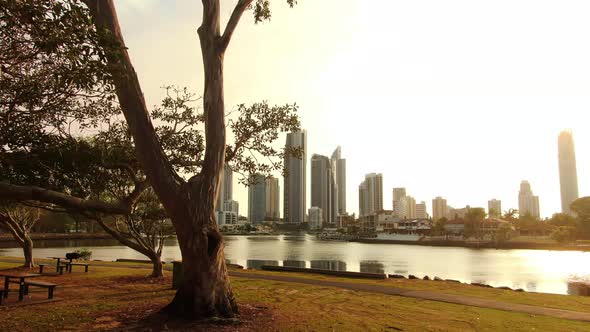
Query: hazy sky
x=462 y=99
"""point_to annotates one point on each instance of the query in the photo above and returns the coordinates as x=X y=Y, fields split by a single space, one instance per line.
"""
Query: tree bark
x=157 y=267
x=28 y=251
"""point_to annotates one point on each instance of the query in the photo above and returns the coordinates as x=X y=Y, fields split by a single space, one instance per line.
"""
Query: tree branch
x=240 y=8
x=165 y=181
x=33 y=193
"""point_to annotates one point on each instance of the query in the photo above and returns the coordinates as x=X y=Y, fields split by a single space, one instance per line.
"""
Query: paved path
x=426 y=295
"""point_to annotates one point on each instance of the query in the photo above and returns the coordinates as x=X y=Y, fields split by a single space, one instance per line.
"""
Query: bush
x=564 y=234
x=84 y=253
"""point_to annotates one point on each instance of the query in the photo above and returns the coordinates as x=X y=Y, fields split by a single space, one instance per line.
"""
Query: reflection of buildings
x=372 y=267
x=329 y=265
x=256 y=263
x=290 y=263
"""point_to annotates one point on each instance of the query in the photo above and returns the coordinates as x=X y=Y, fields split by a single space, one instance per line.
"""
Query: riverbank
x=116 y=296
x=481 y=245
x=6 y=237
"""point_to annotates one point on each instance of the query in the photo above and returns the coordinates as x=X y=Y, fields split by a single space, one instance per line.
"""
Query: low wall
x=347 y=274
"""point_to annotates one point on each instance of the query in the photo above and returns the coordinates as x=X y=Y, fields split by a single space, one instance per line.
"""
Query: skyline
x=500 y=92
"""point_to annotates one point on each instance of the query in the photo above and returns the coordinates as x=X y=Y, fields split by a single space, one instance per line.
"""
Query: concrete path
x=426 y=295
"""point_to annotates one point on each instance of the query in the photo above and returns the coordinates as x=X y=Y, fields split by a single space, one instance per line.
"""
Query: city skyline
x=424 y=92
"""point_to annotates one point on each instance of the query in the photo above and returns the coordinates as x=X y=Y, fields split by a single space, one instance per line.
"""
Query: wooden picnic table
x=59 y=259
x=20 y=276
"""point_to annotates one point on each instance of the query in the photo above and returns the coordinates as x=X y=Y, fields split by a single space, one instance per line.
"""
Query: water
x=532 y=270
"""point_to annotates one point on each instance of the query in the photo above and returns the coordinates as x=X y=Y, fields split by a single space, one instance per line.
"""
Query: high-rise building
x=568 y=175
x=371 y=194
x=528 y=204
x=339 y=165
x=421 y=212
x=439 y=208
x=410 y=207
x=230 y=213
x=294 y=197
x=494 y=208
x=272 y=199
x=225 y=187
x=399 y=202
x=322 y=187
x=256 y=199
x=315 y=217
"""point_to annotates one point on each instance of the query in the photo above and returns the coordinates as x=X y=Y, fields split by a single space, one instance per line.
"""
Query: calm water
x=533 y=270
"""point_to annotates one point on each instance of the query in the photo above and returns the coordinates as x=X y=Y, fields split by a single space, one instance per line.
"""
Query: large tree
x=205 y=290
x=160 y=161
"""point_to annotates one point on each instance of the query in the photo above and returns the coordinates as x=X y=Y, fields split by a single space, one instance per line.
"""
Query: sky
x=461 y=99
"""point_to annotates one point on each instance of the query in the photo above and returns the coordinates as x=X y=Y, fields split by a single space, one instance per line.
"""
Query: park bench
x=58 y=268
x=50 y=287
x=70 y=264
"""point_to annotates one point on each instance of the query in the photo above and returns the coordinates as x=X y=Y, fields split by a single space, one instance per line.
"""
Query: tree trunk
x=28 y=252
x=205 y=290
x=157 y=267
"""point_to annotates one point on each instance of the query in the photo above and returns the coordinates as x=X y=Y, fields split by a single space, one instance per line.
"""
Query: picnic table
x=59 y=259
x=16 y=277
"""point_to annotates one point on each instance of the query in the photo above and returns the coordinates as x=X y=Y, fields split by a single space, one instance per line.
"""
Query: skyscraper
x=322 y=186
x=568 y=176
x=371 y=194
x=421 y=210
x=339 y=165
x=294 y=197
x=272 y=199
x=225 y=188
x=257 y=199
x=494 y=207
x=439 y=208
x=399 y=202
x=528 y=204
x=410 y=207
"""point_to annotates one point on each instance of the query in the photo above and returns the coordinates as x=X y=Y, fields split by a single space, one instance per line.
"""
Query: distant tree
x=563 y=219
x=564 y=234
x=439 y=226
x=581 y=208
x=473 y=219
x=503 y=234
x=510 y=215
x=143 y=230
x=19 y=219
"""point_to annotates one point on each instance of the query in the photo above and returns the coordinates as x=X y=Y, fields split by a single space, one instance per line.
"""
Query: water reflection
x=372 y=267
x=291 y=263
x=329 y=265
x=257 y=263
x=532 y=270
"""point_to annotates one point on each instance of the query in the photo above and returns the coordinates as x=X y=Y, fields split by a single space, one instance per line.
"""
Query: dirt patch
x=147 y=317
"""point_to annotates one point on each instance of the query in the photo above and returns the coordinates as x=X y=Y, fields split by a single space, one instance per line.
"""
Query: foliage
x=473 y=219
x=503 y=233
x=564 y=234
x=581 y=207
x=439 y=226
x=563 y=219
x=85 y=254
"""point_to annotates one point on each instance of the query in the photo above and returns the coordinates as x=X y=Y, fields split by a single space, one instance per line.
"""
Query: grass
x=116 y=296
x=576 y=303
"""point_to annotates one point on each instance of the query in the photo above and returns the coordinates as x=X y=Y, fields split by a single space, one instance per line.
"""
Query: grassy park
x=118 y=296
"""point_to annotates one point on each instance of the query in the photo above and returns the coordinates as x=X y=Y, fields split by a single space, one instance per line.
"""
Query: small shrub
x=84 y=253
